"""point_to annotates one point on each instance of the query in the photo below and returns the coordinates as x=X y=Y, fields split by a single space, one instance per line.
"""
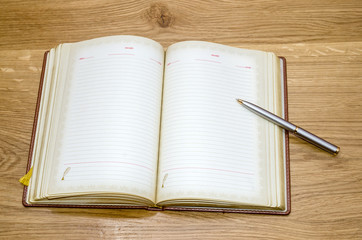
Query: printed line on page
x=214 y=169
x=134 y=164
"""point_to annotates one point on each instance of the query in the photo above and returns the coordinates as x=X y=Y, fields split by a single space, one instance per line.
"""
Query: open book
x=121 y=123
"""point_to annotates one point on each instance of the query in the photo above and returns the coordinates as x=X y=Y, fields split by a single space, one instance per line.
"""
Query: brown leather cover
x=198 y=209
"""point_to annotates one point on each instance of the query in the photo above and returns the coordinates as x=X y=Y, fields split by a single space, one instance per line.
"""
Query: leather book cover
x=199 y=209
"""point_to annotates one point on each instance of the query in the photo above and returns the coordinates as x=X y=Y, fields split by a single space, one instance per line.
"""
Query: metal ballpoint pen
x=297 y=131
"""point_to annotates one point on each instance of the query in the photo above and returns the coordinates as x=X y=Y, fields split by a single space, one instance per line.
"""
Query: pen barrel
x=269 y=116
x=317 y=141
x=297 y=131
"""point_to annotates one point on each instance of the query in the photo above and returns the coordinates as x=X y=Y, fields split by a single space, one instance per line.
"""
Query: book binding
x=197 y=209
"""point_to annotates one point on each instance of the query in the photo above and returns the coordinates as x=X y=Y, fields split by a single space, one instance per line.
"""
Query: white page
x=108 y=129
x=211 y=147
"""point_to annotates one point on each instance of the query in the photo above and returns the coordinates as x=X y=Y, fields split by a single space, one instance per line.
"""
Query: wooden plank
x=322 y=41
x=48 y=23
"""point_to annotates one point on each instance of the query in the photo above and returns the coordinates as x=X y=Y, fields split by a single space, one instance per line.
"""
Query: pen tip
x=239 y=100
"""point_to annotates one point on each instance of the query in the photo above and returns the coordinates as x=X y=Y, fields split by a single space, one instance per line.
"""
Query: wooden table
x=322 y=41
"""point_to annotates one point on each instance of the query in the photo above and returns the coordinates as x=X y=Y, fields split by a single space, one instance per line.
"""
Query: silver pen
x=297 y=131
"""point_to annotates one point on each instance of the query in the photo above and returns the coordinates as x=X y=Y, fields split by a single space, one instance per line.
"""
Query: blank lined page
x=109 y=126
x=211 y=147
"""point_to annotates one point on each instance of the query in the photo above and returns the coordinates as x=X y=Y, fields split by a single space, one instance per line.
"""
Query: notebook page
x=43 y=121
x=211 y=147
x=108 y=129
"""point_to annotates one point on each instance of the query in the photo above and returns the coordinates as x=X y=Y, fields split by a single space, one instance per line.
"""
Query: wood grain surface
x=322 y=42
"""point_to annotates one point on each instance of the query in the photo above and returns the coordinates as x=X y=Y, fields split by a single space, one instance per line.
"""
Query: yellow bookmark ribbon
x=26 y=178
